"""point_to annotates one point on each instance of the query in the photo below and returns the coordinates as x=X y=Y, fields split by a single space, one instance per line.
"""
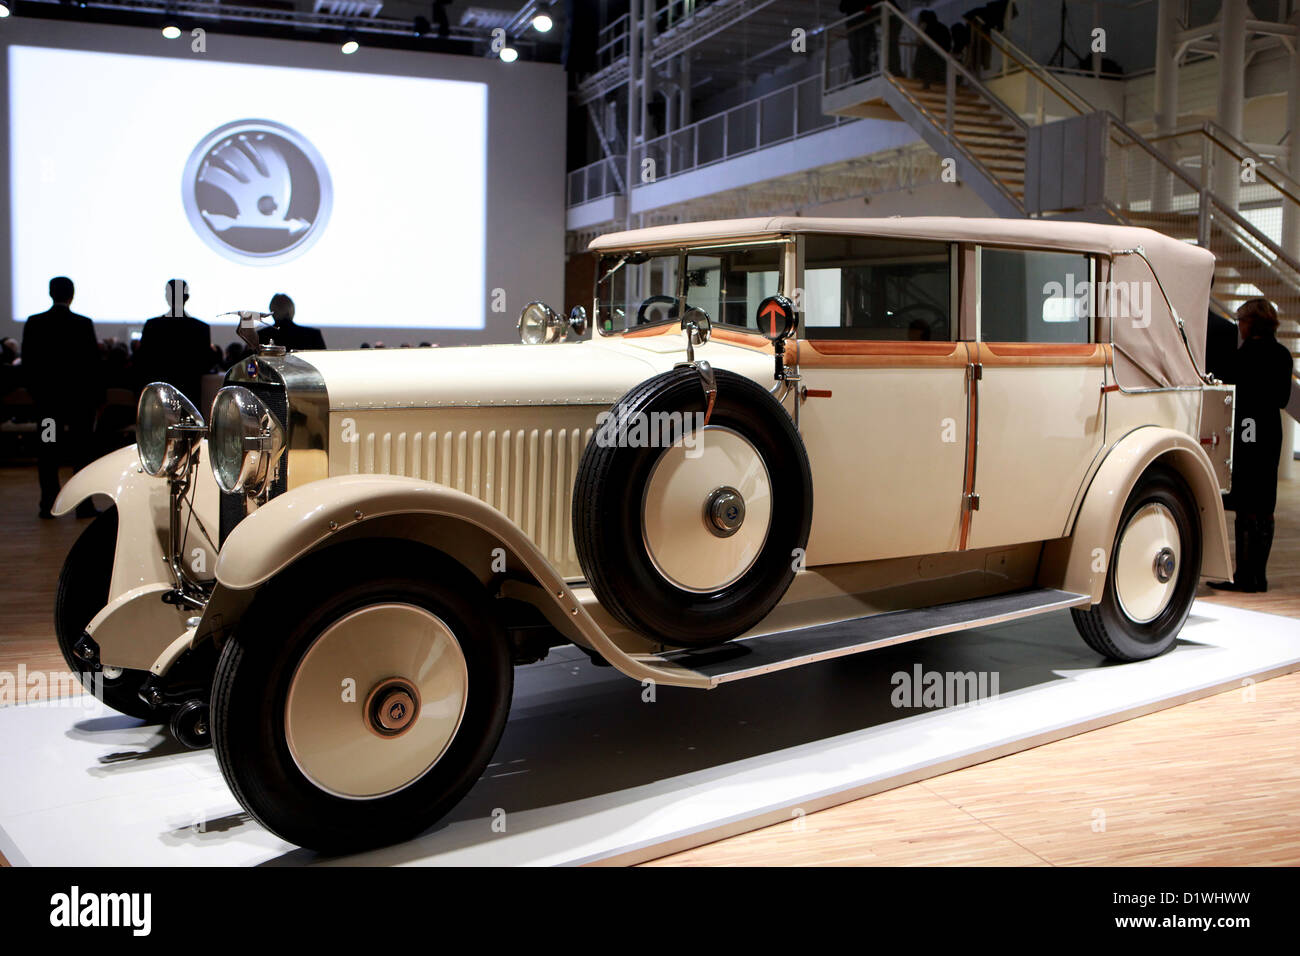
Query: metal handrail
x=723 y=118
x=888 y=10
x=1278 y=179
x=1207 y=196
x=611 y=180
x=1031 y=66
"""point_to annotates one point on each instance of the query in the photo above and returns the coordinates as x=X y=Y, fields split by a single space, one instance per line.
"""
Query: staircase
x=988 y=134
x=958 y=115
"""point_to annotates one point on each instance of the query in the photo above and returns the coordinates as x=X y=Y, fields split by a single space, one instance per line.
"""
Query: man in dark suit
x=176 y=348
x=288 y=333
x=61 y=366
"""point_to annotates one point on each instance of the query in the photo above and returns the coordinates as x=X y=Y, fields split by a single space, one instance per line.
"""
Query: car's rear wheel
x=82 y=593
x=365 y=720
x=1154 y=566
x=692 y=534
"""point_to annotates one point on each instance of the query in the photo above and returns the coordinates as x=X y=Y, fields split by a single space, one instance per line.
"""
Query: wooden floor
x=1215 y=781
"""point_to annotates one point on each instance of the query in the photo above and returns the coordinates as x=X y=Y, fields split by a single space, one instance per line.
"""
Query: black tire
x=82 y=593
x=1106 y=627
x=608 y=514
x=249 y=693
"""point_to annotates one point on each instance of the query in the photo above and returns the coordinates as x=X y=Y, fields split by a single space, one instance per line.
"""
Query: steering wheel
x=669 y=300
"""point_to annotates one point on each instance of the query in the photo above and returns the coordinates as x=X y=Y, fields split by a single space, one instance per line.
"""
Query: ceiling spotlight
x=4 y=10
x=509 y=54
x=543 y=23
x=350 y=46
x=172 y=31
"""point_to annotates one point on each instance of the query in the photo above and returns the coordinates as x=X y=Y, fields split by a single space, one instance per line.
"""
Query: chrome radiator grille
x=527 y=473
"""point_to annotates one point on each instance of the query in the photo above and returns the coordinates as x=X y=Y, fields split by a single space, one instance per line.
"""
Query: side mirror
x=578 y=321
x=698 y=327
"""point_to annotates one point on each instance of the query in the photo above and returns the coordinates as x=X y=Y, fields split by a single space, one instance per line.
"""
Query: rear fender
x=1079 y=563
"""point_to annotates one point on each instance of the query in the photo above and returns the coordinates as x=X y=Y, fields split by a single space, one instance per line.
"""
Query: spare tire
x=692 y=535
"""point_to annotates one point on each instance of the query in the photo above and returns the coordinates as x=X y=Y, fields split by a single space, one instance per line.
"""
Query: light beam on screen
x=362 y=196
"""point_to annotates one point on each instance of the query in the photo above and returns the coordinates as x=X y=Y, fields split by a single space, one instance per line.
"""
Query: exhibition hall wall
x=396 y=196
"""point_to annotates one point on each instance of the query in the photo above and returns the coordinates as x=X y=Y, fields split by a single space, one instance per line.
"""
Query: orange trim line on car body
x=971 y=352
x=732 y=336
x=647 y=331
x=845 y=353
x=1036 y=354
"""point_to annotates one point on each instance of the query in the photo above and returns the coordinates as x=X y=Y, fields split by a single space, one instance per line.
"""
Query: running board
x=807 y=645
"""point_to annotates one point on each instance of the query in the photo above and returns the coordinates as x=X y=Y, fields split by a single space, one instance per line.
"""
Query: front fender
x=352 y=507
x=142 y=514
x=134 y=627
x=1073 y=563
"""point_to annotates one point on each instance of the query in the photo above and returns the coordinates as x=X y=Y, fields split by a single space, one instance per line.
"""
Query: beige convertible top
x=1149 y=349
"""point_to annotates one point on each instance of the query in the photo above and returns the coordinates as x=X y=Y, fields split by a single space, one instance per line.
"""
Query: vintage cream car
x=788 y=440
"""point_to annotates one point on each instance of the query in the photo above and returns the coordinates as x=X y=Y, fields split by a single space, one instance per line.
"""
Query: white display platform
x=588 y=772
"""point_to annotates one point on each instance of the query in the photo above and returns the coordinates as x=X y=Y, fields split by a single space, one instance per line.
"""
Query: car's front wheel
x=364 y=720
x=1154 y=566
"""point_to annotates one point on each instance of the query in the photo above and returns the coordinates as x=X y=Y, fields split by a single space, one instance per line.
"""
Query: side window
x=878 y=289
x=729 y=284
x=1028 y=296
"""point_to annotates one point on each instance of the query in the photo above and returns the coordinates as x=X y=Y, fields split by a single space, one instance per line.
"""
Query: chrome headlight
x=245 y=441
x=167 y=430
x=539 y=323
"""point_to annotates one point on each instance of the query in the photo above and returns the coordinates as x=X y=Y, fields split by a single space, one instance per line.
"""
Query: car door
x=1040 y=411
x=885 y=420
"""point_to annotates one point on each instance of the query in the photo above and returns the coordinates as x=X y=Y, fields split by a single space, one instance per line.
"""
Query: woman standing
x=1261 y=370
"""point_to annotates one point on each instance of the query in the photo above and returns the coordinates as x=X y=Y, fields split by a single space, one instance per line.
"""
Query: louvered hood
x=506 y=424
x=586 y=373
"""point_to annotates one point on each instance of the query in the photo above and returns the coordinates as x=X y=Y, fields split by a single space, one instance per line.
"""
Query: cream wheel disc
x=1147 y=563
x=706 y=511
x=376 y=700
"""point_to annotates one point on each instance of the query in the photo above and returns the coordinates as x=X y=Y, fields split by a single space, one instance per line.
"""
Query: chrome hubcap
x=393 y=707
x=1146 y=563
x=706 y=512
x=725 y=512
x=376 y=700
x=1165 y=565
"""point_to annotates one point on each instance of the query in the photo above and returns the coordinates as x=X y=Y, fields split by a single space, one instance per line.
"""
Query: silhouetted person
x=929 y=67
x=286 y=332
x=1262 y=373
x=176 y=347
x=60 y=363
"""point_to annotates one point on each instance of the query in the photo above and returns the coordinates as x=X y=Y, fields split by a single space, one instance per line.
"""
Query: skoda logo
x=257 y=191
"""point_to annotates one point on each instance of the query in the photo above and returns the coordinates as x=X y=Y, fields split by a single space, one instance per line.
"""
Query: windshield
x=728 y=282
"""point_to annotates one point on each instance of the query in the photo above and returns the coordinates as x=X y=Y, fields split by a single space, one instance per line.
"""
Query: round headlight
x=245 y=441
x=539 y=323
x=167 y=429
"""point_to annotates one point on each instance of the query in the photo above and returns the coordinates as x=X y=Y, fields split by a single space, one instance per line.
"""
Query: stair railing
x=886 y=43
x=1047 y=83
